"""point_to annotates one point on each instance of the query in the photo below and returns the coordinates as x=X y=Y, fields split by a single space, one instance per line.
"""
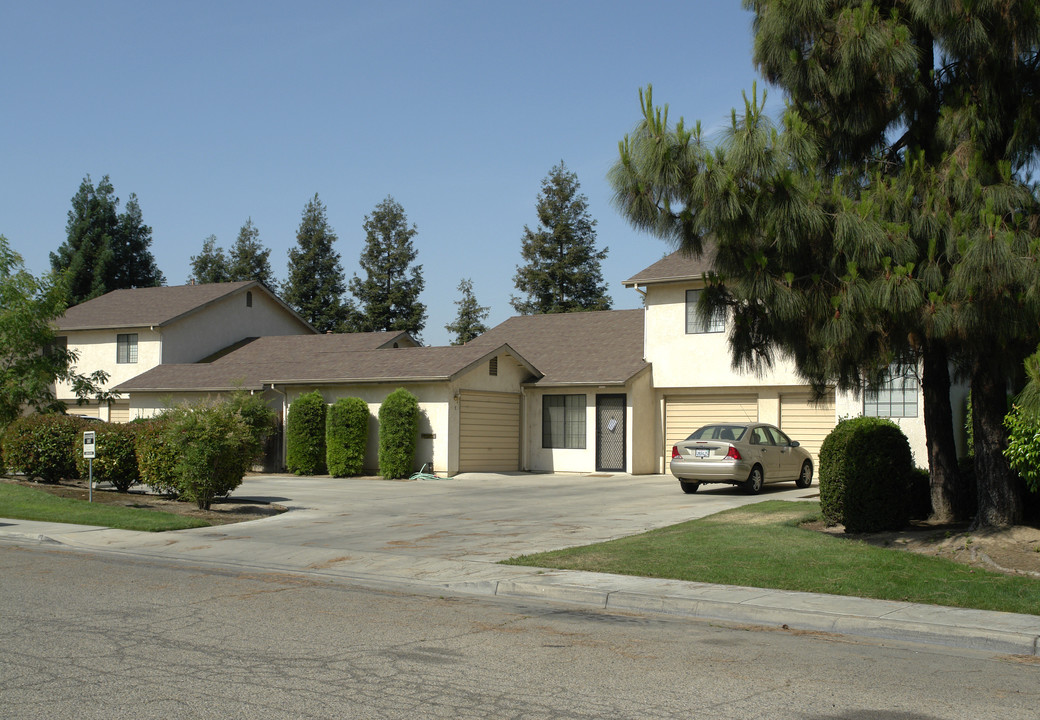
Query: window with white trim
x=698 y=322
x=126 y=348
x=896 y=398
x=563 y=421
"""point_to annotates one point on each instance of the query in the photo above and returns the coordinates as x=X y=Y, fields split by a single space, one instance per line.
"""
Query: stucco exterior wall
x=96 y=350
x=696 y=359
x=224 y=323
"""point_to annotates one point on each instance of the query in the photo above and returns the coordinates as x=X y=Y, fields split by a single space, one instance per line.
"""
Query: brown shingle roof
x=674 y=268
x=290 y=348
x=147 y=307
x=576 y=348
x=315 y=364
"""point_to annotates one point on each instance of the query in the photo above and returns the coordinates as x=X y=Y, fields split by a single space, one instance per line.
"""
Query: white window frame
x=563 y=421
x=896 y=397
x=126 y=348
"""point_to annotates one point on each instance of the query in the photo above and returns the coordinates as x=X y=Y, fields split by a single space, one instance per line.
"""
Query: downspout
x=285 y=419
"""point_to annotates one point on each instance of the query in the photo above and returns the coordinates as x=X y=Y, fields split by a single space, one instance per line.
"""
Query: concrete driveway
x=479 y=517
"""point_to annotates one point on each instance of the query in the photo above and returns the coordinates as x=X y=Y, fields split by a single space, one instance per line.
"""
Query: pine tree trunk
x=946 y=482
x=1000 y=504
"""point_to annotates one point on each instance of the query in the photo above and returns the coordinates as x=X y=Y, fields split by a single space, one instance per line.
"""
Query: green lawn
x=762 y=545
x=26 y=503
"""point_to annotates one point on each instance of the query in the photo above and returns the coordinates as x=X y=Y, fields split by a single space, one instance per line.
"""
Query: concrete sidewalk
x=432 y=562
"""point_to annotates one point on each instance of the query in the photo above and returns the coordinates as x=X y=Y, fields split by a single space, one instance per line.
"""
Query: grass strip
x=762 y=545
x=26 y=503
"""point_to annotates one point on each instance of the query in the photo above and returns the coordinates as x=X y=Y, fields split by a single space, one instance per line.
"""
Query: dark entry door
x=610 y=432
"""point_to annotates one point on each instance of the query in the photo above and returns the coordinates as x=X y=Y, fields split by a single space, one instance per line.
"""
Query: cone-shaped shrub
x=346 y=437
x=398 y=433
x=305 y=435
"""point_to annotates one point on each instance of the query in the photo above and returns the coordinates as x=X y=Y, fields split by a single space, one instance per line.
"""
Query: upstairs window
x=697 y=322
x=896 y=398
x=563 y=421
x=249 y=298
x=59 y=343
x=126 y=348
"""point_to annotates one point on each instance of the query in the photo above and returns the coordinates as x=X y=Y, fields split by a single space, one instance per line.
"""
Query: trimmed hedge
x=44 y=447
x=305 y=435
x=157 y=455
x=865 y=471
x=398 y=434
x=115 y=459
x=346 y=437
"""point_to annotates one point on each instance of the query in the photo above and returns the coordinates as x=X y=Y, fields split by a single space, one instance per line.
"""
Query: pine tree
x=562 y=271
x=885 y=221
x=314 y=287
x=388 y=296
x=104 y=250
x=469 y=323
x=211 y=265
x=249 y=259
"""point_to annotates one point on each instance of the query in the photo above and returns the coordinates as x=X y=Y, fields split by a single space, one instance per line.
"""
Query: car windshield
x=719 y=432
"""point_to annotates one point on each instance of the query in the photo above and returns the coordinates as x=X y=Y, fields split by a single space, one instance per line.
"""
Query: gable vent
x=493 y=366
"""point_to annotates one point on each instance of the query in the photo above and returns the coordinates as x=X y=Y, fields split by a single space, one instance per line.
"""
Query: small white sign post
x=88 y=454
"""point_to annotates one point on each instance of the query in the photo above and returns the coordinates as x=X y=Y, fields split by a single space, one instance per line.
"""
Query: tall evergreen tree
x=887 y=221
x=469 y=323
x=210 y=265
x=249 y=259
x=104 y=250
x=388 y=296
x=314 y=286
x=562 y=271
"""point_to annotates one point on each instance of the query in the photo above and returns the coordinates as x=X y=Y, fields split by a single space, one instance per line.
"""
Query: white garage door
x=683 y=415
x=806 y=421
x=489 y=432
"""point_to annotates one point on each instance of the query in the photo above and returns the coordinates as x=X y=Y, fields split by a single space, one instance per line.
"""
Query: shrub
x=398 y=432
x=865 y=467
x=346 y=437
x=305 y=435
x=44 y=446
x=157 y=455
x=1023 y=450
x=215 y=447
x=259 y=418
x=115 y=459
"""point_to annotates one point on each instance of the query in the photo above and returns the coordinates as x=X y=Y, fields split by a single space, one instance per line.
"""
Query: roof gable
x=157 y=306
x=676 y=267
x=576 y=348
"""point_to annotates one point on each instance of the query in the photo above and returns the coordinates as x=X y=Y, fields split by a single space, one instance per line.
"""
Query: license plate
x=701 y=453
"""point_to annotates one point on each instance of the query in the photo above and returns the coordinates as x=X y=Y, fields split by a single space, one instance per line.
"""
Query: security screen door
x=610 y=432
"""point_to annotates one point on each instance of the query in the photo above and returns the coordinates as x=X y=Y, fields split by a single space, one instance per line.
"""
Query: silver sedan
x=745 y=454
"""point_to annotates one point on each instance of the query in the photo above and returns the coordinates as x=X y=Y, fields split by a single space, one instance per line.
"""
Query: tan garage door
x=805 y=421
x=489 y=432
x=683 y=415
x=119 y=413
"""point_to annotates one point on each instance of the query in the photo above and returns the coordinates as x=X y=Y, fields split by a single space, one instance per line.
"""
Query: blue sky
x=215 y=112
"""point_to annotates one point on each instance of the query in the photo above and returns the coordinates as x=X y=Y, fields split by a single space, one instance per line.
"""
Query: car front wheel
x=689 y=487
x=805 y=478
x=754 y=482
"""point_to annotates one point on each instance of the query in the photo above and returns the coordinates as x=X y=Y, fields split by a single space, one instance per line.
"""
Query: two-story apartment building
x=126 y=332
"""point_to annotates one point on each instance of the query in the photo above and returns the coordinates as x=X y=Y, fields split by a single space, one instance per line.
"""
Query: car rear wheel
x=689 y=487
x=805 y=477
x=754 y=482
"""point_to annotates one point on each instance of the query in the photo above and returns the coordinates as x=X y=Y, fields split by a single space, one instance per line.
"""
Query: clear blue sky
x=215 y=112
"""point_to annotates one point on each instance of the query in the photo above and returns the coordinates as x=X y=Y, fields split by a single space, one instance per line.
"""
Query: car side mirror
x=794 y=443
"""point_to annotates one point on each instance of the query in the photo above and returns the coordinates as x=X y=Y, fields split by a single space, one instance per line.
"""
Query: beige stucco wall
x=224 y=323
x=699 y=359
x=96 y=350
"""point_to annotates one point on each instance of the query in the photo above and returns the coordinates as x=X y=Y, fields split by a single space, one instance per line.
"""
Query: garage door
x=805 y=421
x=489 y=432
x=683 y=415
x=119 y=413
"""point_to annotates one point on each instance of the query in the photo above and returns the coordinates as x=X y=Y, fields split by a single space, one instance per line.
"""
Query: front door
x=610 y=432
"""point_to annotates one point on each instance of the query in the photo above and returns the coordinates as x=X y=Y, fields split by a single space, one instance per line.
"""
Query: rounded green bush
x=215 y=447
x=398 y=434
x=346 y=437
x=305 y=435
x=115 y=459
x=157 y=455
x=44 y=446
x=865 y=475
